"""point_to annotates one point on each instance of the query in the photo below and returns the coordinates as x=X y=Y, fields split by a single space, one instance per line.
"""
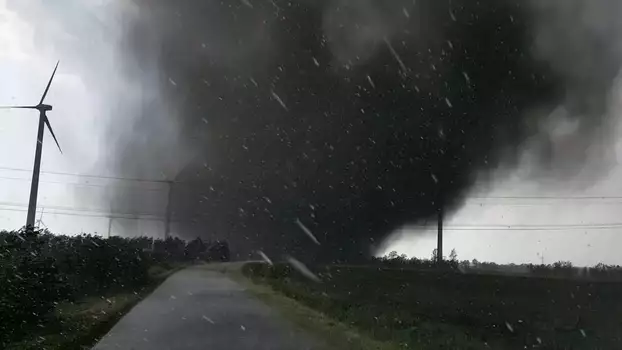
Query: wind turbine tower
x=43 y=122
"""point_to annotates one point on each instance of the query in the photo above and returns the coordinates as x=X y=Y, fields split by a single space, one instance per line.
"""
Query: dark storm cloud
x=357 y=117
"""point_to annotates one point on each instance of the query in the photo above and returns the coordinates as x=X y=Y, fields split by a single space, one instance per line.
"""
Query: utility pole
x=109 y=225
x=439 y=242
x=34 y=185
x=169 y=208
x=439 y=178
x=440 y=203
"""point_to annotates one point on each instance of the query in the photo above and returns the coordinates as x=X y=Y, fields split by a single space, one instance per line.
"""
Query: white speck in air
x=304 y=270
x=265 y=257
x=371 y=82
x=279 y=100
x=208 y=319
x=307 y=231
x=396 y=55
x=317 y=63
x=509 y=326
x=172 y=82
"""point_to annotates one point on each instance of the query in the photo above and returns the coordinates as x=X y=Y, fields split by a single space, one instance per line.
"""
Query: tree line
x=559 y=269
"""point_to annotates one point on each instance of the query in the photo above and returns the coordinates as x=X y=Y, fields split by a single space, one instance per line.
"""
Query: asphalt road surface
x=200 y=309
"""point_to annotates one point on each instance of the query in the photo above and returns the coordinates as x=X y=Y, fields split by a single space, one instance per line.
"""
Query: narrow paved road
x=200 y=309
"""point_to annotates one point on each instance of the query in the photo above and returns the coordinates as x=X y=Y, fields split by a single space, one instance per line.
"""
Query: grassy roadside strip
x=81 y=324
x=334 y=334
x=379 y=320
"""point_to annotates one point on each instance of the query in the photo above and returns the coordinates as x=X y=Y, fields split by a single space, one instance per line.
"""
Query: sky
x=553 y=220
x=86 y=92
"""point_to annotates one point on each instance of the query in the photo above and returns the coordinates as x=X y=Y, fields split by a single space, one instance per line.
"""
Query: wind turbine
x=43 y=121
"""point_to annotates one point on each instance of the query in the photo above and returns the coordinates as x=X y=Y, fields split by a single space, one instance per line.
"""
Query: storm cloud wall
x=353 y=118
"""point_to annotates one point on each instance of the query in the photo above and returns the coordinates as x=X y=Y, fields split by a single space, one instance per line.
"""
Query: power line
x=79 y=184
x=546 y=197
x=131 y=179
x=149 y=217
x=68 y=208
x=603 y=226
x=540 y=204
x=132 y=217
x=119 y=178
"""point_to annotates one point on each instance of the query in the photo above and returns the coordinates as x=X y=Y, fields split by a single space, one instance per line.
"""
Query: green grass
x=445 y=310
x=79 y=325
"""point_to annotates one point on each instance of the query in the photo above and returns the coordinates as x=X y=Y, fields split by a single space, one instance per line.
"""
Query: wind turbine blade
x=47 y=88
x=47 y=123
x=22 y=107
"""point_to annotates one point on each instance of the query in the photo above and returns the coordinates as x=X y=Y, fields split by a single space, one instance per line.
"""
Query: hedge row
x=38 y=270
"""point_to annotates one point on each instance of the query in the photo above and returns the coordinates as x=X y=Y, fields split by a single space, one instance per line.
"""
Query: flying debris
x=396 y=55
x=371 y=82
x=265 y=257
x=303 y=269
x=307 y=231
x=279 y=100
x=452 y=15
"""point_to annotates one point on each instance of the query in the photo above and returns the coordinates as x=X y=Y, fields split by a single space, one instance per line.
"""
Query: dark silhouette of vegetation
x=418 y=304
x=219 y=251
x=39 y=270
x=560 y=269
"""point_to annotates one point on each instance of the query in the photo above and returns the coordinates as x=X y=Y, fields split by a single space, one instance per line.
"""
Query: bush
x=30 y=284
x=39 y=270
